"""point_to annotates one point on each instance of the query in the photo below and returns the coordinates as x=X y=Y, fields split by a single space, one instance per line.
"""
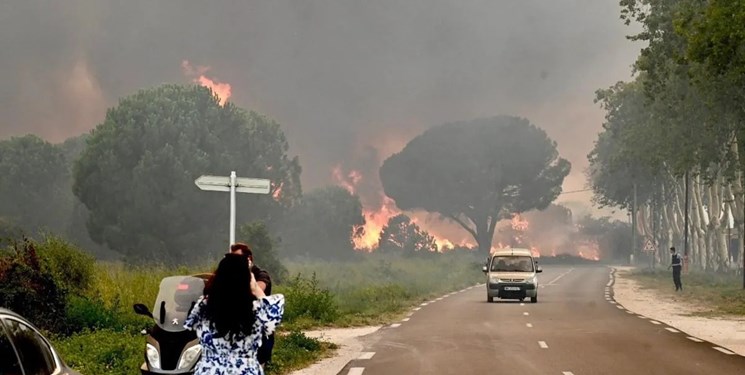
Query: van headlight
x=532 y=280
x=189 y=357
x=494 y=280
x=153 y=357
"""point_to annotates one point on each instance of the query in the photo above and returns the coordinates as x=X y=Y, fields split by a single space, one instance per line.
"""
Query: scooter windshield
x=176 y=297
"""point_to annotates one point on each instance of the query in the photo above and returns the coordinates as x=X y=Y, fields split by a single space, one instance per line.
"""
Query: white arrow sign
x=242 y=185
x=233 y=185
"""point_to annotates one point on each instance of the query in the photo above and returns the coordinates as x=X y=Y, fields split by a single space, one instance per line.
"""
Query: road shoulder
x=350 y=345
x=725 y=331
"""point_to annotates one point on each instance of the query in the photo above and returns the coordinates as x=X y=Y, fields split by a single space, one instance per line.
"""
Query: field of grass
x=371 y=291
x=717 y=294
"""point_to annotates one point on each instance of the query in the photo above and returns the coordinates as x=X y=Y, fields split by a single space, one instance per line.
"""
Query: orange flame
x=277 y=194
x=222 y=90
x=375 y=220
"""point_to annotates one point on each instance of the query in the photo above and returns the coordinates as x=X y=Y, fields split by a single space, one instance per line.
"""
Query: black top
x=675 y=261
x=261 y=275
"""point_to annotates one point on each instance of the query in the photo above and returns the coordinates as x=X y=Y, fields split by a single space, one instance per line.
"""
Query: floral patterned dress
x=236 y=356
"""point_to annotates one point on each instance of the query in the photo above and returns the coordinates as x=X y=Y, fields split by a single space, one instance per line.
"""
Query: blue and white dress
x=236 y=356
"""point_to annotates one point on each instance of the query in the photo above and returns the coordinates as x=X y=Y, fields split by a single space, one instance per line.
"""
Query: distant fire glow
x=221 y=89
x=376 y=218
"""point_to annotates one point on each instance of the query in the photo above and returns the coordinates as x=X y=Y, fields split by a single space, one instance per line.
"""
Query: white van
x=512 y=274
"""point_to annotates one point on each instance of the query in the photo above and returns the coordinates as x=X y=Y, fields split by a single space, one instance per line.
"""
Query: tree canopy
x=136 y=175
x=34 y=184
x=401 y=235
x=477 y=173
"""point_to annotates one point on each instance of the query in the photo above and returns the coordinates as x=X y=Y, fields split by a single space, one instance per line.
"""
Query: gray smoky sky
x=350 y=81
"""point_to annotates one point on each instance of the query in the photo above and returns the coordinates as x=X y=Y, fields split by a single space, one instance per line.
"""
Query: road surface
x=575 y=328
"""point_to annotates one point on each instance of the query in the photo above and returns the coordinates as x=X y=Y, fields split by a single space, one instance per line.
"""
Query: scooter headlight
x=189 y=357
x=153 y=357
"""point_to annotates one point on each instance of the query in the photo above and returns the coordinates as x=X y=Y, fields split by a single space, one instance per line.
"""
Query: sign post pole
x=233 y=184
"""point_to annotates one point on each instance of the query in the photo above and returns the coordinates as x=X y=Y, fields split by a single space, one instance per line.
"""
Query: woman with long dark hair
x=231 y=318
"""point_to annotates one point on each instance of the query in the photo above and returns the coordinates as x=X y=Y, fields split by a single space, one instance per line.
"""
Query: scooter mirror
x=142 y=310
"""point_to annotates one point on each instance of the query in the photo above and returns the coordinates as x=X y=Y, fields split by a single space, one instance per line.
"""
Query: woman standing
x=231 y=318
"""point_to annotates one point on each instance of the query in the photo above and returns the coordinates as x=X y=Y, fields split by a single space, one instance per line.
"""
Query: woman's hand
x=255 y=288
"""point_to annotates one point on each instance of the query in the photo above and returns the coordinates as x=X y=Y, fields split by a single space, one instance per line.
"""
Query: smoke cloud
x=350 y=81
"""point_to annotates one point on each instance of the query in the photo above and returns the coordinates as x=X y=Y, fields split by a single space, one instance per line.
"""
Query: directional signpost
x=233 y=185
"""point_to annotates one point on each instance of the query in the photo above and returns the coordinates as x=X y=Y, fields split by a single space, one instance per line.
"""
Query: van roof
x=512 y=251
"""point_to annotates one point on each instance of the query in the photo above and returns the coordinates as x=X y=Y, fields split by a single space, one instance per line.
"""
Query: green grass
x=380 y=288
x=716 y=294
x=103 y=351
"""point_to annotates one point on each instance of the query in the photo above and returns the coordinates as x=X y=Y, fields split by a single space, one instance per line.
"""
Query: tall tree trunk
x=698 y=225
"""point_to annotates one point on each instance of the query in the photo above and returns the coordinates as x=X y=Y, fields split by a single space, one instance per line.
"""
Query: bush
x=72 y=269
x=305 y=299
x=30 y=289
x=37 y=277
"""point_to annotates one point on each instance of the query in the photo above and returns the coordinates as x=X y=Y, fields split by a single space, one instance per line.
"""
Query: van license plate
x=512 y=288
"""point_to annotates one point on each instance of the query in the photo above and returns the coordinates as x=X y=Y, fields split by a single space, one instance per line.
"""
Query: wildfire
x=222 y=90
x=277 y=194
x=519 y=224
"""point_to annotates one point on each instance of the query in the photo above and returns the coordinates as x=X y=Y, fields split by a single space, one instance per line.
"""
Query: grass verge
x=717 y=294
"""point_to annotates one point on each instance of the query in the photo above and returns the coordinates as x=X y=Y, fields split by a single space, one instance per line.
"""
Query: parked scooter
x=170 y=348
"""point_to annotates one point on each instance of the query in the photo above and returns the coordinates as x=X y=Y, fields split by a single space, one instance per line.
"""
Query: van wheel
x=534 y=299
x=489 y=299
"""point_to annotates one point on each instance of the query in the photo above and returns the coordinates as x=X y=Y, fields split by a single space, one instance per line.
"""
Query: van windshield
x=512 y=264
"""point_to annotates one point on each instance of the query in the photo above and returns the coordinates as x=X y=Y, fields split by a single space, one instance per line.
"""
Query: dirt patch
x=725 y=331
x=350 y=347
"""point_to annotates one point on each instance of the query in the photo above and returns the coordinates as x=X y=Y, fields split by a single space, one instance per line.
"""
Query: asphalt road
x=575 y=328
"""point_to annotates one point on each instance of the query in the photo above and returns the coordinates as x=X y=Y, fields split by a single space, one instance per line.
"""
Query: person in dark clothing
x=676 y=263
x=264 y=282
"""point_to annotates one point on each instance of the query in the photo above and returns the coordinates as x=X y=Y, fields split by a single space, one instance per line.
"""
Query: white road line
x=543 y=344
x=424 y=304
x=642 y=317
x=395 y=325
x=417 y=308
x=613 y=302
x=694 y=339
x=526 y=313
x=529 y=325
x=356 y=371
x=405 y=319
x=673 y=330
x=522 y=304
x=567 y=373
x=560 y=276
x=366 y=355
x=630 y=312
x=439 y=299
x=654 y=322
x=723 y=350
x=620 y=307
